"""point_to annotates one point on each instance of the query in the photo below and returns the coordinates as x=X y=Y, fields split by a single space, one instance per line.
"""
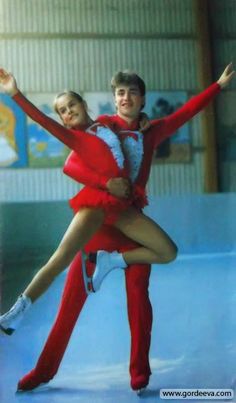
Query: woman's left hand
x=144 y=122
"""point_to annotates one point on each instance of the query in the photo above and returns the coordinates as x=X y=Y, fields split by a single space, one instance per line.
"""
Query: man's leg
x=140 y=321
x=72 y=302
x=74 y=296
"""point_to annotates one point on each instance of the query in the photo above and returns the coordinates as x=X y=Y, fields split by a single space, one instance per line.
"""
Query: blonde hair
x=66 y=92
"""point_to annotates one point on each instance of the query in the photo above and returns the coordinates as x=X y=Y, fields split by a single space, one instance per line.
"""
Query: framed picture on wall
x=100 y=103
x=158 y=104
x=13 y=139
x=44 y=150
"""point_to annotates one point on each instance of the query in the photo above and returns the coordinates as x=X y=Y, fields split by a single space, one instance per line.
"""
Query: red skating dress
x=98 y=151
x=132 y=143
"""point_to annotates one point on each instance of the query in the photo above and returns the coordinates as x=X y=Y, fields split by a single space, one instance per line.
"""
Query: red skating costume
x=108 y=238
x=98 y=150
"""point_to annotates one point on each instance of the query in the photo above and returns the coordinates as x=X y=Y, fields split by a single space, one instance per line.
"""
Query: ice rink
x=193 y=338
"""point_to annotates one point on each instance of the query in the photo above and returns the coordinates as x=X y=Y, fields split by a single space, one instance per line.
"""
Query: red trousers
x=73 y=299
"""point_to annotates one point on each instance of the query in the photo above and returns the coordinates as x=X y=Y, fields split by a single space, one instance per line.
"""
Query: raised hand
x=8 y=82
x=226 y=76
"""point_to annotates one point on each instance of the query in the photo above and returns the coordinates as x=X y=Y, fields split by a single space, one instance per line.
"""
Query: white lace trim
x=111 y=139
x=134 y=153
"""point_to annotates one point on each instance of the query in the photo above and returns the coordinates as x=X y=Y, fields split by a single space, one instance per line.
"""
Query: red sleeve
x=71 y=138
x=164 y=127
x=104 y=119
x=76 y=169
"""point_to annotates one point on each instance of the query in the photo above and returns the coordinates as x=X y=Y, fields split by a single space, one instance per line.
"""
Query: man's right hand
x=226 y=76
x=119 y=187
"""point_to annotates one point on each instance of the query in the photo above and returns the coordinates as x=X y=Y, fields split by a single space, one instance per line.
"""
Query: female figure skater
x=157 y=246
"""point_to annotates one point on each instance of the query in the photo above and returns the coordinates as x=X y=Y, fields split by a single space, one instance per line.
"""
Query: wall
x=80 y=44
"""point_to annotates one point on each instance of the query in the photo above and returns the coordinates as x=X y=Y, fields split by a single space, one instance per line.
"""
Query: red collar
x=122 y=123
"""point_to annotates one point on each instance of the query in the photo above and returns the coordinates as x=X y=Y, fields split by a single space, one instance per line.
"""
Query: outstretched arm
x=70 y=138
x=163 y=128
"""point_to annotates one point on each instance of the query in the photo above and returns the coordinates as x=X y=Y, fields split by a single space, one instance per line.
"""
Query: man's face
x=128 y=101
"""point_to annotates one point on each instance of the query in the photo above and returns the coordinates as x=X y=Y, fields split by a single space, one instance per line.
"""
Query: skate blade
x=88 y=284
x=41 y=386
x=141 y=391
x=8 y=331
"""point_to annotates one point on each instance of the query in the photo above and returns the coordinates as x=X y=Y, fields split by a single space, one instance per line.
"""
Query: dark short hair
x=128 y=77
x=66 y=92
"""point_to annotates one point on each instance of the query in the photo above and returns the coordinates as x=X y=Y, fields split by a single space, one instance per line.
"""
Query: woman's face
x=73 y=113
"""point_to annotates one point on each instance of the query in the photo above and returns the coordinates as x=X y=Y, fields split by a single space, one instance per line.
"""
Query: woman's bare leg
x=157 y=246
x=83 y=226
